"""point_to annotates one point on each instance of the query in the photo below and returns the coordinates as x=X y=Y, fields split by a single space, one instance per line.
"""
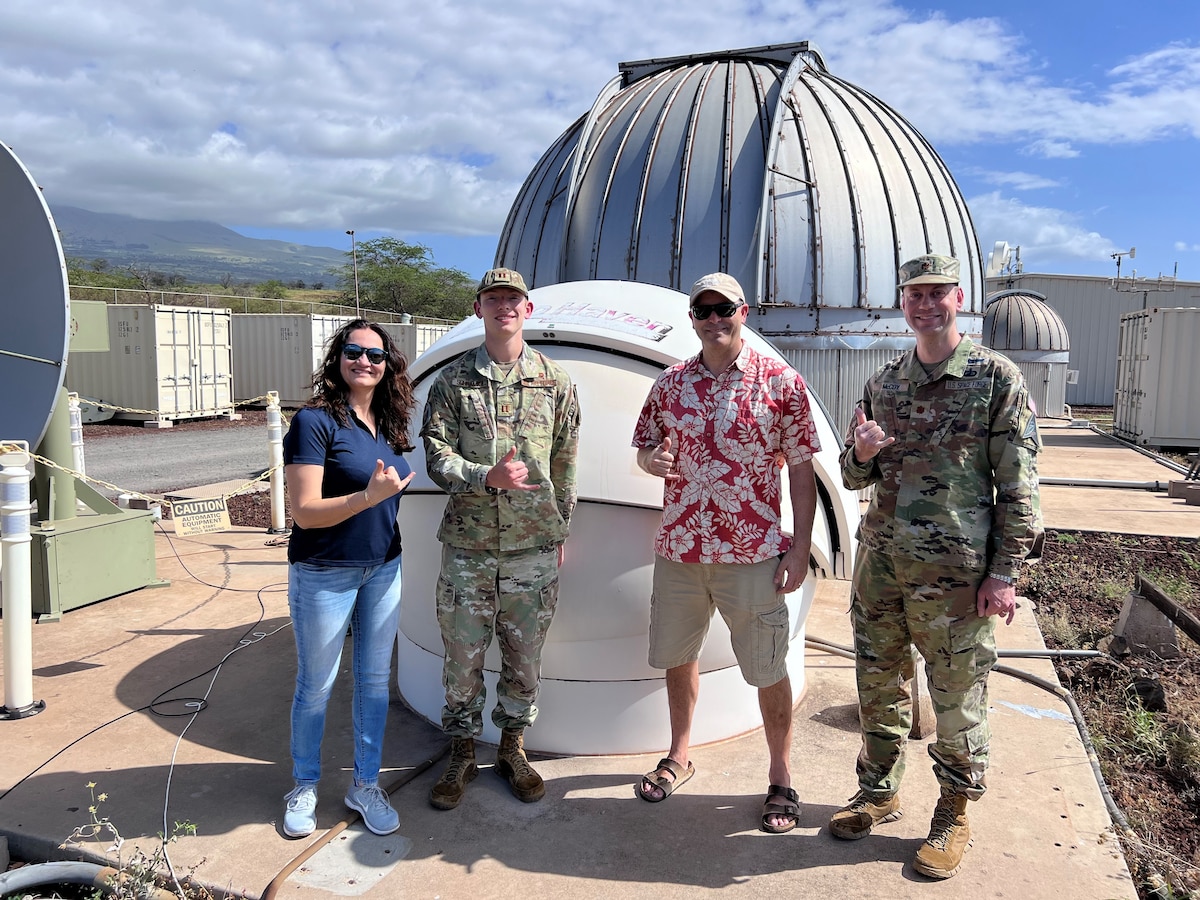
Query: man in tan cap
x=717 y=429
x=501 y=431
x=946 y=435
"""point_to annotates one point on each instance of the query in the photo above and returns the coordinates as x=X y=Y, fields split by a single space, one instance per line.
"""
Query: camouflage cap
x=929 y=269
x=725 y=285
x=502 y=278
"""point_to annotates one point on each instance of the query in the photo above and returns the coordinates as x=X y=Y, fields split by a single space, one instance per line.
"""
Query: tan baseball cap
x=725 y=285
x=929 y=269
x=498 y=278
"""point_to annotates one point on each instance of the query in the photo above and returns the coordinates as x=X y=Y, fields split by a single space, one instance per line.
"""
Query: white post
x=275 y=446
x=15 y=546
x=77 y=459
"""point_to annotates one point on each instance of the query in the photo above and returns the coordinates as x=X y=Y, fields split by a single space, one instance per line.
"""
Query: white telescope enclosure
x=598 y=694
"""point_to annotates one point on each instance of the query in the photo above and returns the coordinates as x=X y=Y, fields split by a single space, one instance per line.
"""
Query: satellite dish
x=997 y=260
x=34 y=305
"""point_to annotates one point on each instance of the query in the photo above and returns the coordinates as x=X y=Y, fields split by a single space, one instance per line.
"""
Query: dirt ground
x=1142 y=712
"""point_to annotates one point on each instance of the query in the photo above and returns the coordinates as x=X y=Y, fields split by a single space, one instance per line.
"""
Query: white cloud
x=1185 y=247
x=1021 y=181
x=427 y=117
x=1050 y=149
x=1044 y=234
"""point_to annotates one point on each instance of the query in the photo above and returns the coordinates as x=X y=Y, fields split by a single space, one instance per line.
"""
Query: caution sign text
x=200 y=516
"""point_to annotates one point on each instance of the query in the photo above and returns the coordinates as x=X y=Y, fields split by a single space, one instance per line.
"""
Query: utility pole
x=354 y=256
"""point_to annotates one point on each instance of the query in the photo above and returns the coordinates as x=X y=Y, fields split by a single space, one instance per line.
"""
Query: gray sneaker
x=371 y=802
x=300 y=814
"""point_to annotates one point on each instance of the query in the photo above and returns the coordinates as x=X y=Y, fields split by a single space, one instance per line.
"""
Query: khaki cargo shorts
x=682 y=604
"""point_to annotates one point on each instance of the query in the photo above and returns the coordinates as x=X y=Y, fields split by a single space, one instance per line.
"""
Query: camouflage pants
x=511 y=594
x=898 y=604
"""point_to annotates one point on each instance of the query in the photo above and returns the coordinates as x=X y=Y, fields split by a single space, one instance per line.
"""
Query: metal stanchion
x=15 y=545
x=275 y=442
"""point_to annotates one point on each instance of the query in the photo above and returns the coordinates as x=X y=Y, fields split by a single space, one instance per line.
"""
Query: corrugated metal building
x=1091 y=308
x=761 y=163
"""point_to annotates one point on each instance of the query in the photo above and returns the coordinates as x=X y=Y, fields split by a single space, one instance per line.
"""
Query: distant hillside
x=202 y=252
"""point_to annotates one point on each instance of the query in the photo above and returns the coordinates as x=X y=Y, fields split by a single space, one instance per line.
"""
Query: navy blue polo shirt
x=347 y=453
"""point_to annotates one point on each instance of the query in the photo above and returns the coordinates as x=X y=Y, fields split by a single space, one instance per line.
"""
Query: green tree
x=274 y=288
x=402 y=278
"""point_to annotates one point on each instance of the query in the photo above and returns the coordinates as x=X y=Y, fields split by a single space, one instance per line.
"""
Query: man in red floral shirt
x=717 y=429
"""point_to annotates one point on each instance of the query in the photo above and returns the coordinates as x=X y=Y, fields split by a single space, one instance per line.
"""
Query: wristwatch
x=1007 y=579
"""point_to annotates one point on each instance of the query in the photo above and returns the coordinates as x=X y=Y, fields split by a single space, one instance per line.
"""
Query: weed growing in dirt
x=139 y=874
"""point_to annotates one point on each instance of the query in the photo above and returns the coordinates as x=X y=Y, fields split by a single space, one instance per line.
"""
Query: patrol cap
x=929 y=269
x=725 y=285
x=498 y=278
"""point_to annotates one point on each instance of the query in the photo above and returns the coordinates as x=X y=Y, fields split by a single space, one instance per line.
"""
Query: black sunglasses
x=375 y=356
x=724 y=310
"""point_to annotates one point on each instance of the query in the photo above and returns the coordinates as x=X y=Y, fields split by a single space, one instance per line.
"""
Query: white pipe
x=77 y=458
x=17 y=579
x=275 y=445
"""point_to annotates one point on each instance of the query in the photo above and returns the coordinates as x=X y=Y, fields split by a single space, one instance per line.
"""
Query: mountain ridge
x=199 y=251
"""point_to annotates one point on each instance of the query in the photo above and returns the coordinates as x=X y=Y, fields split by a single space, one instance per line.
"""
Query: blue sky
x=1072 y=128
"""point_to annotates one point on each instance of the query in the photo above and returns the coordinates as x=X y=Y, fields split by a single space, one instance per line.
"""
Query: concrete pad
x=1042 y=831
x=175 y=703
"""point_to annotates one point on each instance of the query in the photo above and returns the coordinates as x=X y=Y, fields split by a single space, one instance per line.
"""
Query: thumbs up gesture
x=662 y=461
x=510 y=474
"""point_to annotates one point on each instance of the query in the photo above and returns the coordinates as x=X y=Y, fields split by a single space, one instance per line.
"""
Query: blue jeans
x=324 y=602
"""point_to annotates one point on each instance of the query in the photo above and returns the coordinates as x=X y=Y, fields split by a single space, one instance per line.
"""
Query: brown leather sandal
x=668 y=787
x=790 y=809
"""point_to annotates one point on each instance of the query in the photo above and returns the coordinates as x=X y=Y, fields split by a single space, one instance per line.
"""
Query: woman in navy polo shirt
x=345 y=475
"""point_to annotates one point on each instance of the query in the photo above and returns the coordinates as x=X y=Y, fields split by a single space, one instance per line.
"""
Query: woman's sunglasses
x=375 y=356
x=724 y=310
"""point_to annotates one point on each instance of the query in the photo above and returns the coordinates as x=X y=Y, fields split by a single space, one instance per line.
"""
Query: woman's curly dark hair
x=393 y=400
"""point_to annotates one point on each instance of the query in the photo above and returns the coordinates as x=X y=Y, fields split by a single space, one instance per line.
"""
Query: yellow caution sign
x=200 y=516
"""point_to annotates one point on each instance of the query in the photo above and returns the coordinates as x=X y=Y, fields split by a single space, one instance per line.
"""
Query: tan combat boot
x=866 y=810
x=511 y=764
x=949 y=837
x=448 y=792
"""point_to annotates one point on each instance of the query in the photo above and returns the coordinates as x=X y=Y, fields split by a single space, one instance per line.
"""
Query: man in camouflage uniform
x=947 y=436
x=501 y=431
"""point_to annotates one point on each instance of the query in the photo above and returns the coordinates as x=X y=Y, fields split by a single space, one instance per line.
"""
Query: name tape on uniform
x=200 y=516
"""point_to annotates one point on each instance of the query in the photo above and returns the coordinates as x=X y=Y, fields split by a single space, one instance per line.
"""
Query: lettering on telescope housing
x=579 y=313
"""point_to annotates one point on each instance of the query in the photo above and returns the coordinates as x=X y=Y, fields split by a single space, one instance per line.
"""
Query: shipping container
x=280 y=352
x=164 y=363
x=1157 y=398
x=414 y=338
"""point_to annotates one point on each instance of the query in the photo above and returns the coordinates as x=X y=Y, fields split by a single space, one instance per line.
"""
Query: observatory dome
x=756 y=162
x=1021 y=320
x=1022 y=326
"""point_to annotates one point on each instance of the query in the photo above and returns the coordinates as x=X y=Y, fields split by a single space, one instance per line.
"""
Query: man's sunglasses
x=724 y=310
x=375 y=356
